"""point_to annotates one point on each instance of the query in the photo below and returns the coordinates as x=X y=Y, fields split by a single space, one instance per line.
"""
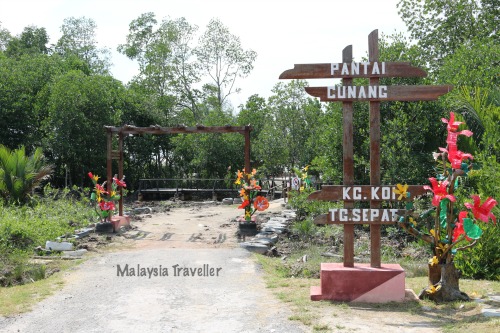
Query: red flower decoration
x=440 y=191
x=453 y=125
x=260 y=203
x=100 y=189
x=244 y=204
x=107 y=205
x=459 y=227
x=455 y=156
x=482 y=212
x=119 y=182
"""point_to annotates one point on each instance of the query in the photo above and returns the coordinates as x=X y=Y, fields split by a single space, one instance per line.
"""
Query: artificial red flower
x=119 y=182
x=456 y=156
x=261 y=203
x=440 y=191
x=244 y=204
x=107 y=205
x=94 y=178
x=459 y=227
x=453 y=125
x=100 y=189
x=482 y=212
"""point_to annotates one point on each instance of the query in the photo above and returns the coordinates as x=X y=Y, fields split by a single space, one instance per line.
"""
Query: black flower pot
x=247 y=228
x=104 y=227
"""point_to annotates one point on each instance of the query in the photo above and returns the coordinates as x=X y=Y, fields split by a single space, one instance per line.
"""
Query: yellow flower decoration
x=95 y=178
x=433 y=261
x=442 y=247
x=306 y=168
x=239 y=176
x=432 y=289
x=412 y=221
x=248 y=214
x=433 y=233
x=402 y=190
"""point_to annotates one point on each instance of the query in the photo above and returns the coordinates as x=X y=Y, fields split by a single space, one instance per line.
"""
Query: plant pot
x=247 y=228
x=104 y=227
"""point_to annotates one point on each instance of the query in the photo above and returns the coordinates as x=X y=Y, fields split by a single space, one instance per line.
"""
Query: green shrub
x=25 y=227
x=482 y=261
x=305 y=208
x=21 y=174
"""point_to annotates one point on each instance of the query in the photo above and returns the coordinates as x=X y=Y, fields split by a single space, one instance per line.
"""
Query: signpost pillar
x=377 y=282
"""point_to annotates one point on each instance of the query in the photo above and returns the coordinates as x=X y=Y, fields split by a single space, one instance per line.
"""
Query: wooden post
x=109 y=160
x=120 y=170
x=373 y=54
x=348 y=162
x=248 y=167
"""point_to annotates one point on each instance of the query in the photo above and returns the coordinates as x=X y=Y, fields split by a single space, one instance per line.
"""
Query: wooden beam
x=159 y=130
x=383 y=93
x=324 y=71
x=363 y=193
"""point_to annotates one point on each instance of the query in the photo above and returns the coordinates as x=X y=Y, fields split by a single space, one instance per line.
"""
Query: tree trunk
x=445 y=278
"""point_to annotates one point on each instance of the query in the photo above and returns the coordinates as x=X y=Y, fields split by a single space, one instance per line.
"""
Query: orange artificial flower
x=260 y=203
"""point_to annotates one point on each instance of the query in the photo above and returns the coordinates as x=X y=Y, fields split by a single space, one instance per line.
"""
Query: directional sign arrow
x=340 y=70
x=378 y=93
x=363 y=193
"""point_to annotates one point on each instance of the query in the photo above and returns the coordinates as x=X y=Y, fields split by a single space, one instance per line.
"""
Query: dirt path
x=226 y=293
x=212 y=286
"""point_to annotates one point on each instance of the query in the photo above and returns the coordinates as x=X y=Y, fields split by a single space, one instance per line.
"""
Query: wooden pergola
x=158 y=130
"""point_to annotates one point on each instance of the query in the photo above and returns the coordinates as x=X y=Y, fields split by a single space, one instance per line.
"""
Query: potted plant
x=105 y=200
x=251 y=201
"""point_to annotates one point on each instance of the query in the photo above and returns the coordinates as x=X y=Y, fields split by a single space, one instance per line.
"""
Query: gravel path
x=96 y=298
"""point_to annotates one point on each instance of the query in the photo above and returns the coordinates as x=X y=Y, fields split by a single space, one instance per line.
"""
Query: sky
x=282 y=32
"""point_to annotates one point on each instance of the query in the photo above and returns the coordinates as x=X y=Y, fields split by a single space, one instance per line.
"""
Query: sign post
x=374 y=93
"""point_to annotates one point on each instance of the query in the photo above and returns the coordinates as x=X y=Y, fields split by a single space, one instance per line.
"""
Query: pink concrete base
x=361 y=283
x=119 y=221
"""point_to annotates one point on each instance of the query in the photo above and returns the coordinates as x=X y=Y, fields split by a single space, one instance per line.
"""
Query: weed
x=321 y=328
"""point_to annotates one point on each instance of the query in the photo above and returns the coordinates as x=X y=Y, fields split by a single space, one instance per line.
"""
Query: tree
x=79 y=106
x=166 y=62
x=78 y=39
x=32 y=41
x=21 y=174
x=476 y=63
x=22 y=110
x=4 y=38
x=222 y=58
x=441 y=27
x=284 y=139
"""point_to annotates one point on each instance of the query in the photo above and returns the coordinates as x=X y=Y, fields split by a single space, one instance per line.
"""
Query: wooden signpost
x=374 y=93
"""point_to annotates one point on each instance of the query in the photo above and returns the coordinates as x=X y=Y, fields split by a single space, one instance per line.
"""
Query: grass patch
x=323 y=316
x=21 y=298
